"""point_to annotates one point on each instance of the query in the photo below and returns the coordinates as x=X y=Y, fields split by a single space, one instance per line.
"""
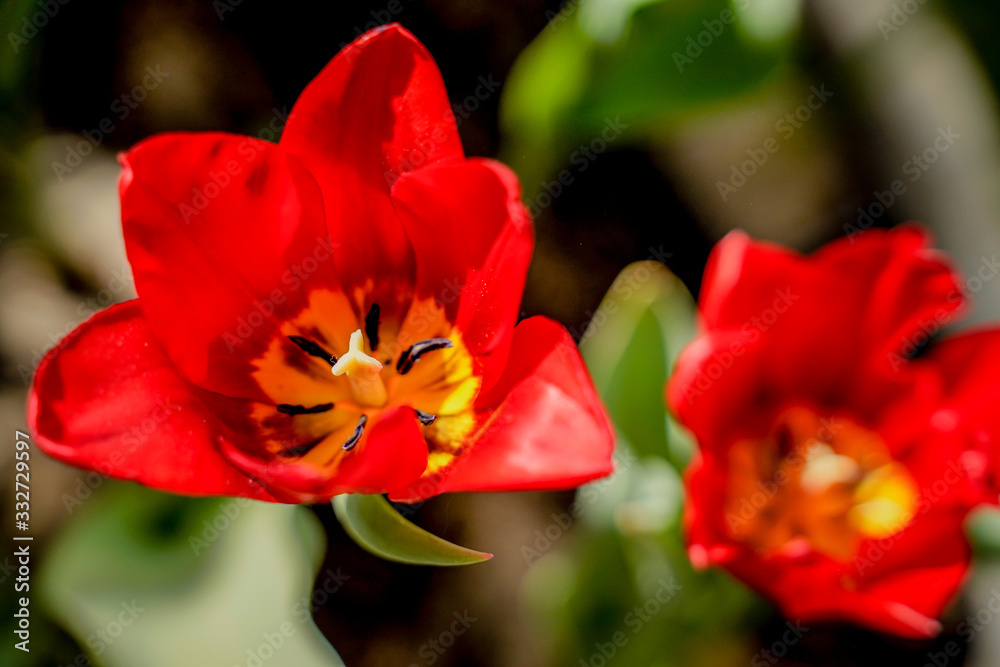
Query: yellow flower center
x=825 y=484
x=323 y=404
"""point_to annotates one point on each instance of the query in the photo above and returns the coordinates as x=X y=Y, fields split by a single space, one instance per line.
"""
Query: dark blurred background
x=666 y=142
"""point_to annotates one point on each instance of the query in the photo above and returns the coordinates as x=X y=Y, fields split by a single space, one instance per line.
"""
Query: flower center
x=821 y=484
x=323 y=406
x=363 y=372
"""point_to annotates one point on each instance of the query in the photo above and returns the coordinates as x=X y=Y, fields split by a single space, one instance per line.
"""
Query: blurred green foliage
x=625 y=587
x=659 y=62
x=145 y=578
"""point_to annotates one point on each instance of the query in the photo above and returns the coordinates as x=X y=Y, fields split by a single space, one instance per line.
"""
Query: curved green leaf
x=378 y=528
x=647 y=317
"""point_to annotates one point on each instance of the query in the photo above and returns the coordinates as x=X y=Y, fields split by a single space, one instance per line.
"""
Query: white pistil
x=363 y=372
x=824 y=468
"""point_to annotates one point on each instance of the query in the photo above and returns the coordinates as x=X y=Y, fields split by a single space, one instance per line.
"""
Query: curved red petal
x=904 y=584
x=394 y=455
x=969 y=365
x=377 y=110
x=473 y=241
x=717 y=371
x=547 y=428
x=223 y=234
x=391 y=454
x=108 y=399
x=865 y=301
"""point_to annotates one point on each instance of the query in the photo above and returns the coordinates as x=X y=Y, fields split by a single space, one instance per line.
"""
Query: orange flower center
x=332 y=371
x=819 y=484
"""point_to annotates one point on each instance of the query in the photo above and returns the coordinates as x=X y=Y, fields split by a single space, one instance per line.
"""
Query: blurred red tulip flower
x=838 y=456
x=332 y=314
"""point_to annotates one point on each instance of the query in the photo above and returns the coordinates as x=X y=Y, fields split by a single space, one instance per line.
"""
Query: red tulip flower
x=332 y=314
x=839 y=455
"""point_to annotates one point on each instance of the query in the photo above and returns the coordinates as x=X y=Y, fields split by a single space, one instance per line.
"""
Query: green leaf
x=644 y=321
x=644 y=65
x=541 y=90
x=983 y=527
x=144 y=578
x=378 y=528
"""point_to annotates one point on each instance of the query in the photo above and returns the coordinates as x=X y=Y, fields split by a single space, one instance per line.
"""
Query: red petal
x=717 y=375
x=377 y=110
x=908 y=580
x=969 y=365
x=107 y=399
x=391 y=454
x=394 y=455
x=473 y=240
x=548 y=429
x=827 y=329
x=861 y=302
x=223 y=234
